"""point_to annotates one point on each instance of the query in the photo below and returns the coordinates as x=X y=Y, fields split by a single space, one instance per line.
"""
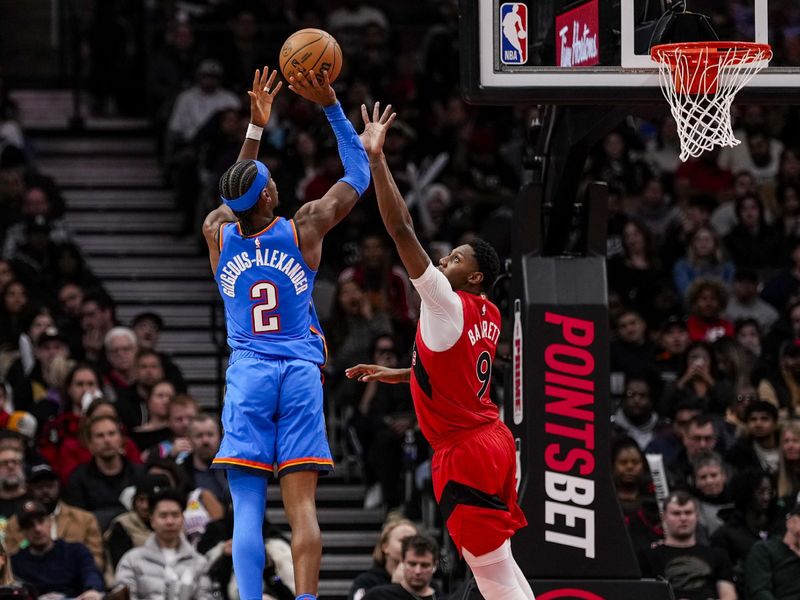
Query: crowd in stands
x=104 y=455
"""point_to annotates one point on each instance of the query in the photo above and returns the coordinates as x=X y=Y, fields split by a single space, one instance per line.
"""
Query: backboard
x=597 y=51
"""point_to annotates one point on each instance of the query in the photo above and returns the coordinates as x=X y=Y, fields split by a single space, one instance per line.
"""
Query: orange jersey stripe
x=244 y=463
x=305 y=461
x=267 y=228
x=294 y=231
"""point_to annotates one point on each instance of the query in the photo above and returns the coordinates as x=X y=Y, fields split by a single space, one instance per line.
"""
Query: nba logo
x=513 y=33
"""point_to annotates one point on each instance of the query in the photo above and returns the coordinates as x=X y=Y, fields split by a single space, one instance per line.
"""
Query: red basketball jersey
x=451 y=388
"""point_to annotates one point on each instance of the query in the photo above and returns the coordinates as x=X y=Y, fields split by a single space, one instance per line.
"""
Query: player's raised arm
x=261 y=97
x=315 y=219
x=391 y=204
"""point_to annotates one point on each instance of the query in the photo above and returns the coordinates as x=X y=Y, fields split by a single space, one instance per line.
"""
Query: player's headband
x=250 y=197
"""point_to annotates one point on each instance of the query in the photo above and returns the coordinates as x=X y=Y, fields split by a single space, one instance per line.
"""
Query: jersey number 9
x=484 y=370
x=268 y=294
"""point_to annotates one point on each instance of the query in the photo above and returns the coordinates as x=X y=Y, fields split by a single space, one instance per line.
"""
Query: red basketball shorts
x=474 y=481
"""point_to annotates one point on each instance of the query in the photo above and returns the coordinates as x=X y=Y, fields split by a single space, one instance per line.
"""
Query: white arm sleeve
x=441 y=318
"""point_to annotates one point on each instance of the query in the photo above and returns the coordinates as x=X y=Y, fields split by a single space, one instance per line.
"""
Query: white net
x=700 y=82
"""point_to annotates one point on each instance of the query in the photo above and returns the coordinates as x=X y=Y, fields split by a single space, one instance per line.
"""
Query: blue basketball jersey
x=266 y=287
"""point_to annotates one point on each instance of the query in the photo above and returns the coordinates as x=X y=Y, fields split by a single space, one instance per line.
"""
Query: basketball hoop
x=700 y=81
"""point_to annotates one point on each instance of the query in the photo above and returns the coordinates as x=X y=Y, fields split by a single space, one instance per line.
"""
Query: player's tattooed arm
x=367 y=373
x=261 y=95
x=391 y=204
x=211 y=231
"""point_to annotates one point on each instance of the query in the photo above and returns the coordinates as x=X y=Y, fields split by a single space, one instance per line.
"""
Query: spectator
x=707 y=299
x=30 y=389
x=192 y=110
x=148 y=327
x=782 y=387
x=788 y=195
x=69 y=266
x=789 y=466
x=132 y=528
x=673 y=342
x=182 y=409
x=156 y=429
x=669 y=443
x=172 y=70
x=704 y=175
x=420 y=557
x=710 y=488
x=759 y=154
x=166 y=558
x=631 y=352
x=772 y=570
x=120 y=350
x=636 y=416
x=785 y=284
x=36 y=203
x=97 y=319
x=695 y=571
x=696 y=214
x=58 y=439
x=349 y=21
x=383 y=418
x=700 y=437
x=12 y=483
x=758 y=448
x=204 y=434
x=386 y=555
x=202 y=505
x=132 y=401
x=68 y=316
x=752 y=243
x=748 y=334
x=385 y=285
x=637 y=274
x=699 y=383
x=614 y=165
x=745 y=302
x=243 y=52
x=752 y=518
x=97 y=485
x=70 y=523
x=631 y=475
x=54 y=566
x=15 y=303
x=703 y=259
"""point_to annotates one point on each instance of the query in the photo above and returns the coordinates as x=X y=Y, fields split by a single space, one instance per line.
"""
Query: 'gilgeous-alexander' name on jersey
x=266 y=288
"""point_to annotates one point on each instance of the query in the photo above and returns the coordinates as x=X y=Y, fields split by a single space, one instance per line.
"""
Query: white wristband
x=254 y=132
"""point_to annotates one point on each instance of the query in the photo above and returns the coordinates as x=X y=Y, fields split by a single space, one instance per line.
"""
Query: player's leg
x=247 y=451
x=249 y=494
x=303 y=454
x=523 y=582
x=495 y=574
x=298 y=490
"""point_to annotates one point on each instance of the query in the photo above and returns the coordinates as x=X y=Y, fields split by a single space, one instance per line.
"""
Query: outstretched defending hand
x=307 y=86
x=374 y=134
x=261 y=96
x=368 y=373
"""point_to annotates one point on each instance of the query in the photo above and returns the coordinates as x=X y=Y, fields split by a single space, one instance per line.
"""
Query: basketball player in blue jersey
x=265 y=267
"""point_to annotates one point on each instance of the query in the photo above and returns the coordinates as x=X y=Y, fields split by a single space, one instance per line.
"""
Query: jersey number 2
x=484 y=370
x=268 y=294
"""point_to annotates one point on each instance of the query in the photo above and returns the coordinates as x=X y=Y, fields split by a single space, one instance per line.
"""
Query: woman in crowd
x=789 y=466
x=156 y=429
x=710 y=488
x=698 y=384
x=704 y=259
x=386 y=557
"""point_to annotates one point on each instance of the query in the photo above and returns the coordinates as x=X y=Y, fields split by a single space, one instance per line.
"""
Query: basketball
x=311 y=49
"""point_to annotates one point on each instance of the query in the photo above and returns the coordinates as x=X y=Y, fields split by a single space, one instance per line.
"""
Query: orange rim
x=695 y=52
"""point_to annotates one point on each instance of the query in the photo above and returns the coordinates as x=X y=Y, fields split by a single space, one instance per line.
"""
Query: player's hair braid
x=234 y=183
x=488 y=262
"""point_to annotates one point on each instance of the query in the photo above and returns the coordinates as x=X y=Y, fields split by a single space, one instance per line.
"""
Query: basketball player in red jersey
x=474 y=461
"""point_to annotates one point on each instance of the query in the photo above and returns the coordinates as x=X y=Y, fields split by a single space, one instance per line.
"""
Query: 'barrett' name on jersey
x=275 y=259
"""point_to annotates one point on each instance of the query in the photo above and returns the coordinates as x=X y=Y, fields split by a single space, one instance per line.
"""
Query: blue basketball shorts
x=273 y=420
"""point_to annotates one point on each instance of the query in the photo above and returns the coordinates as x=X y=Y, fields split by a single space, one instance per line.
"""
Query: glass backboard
x=597 y=51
